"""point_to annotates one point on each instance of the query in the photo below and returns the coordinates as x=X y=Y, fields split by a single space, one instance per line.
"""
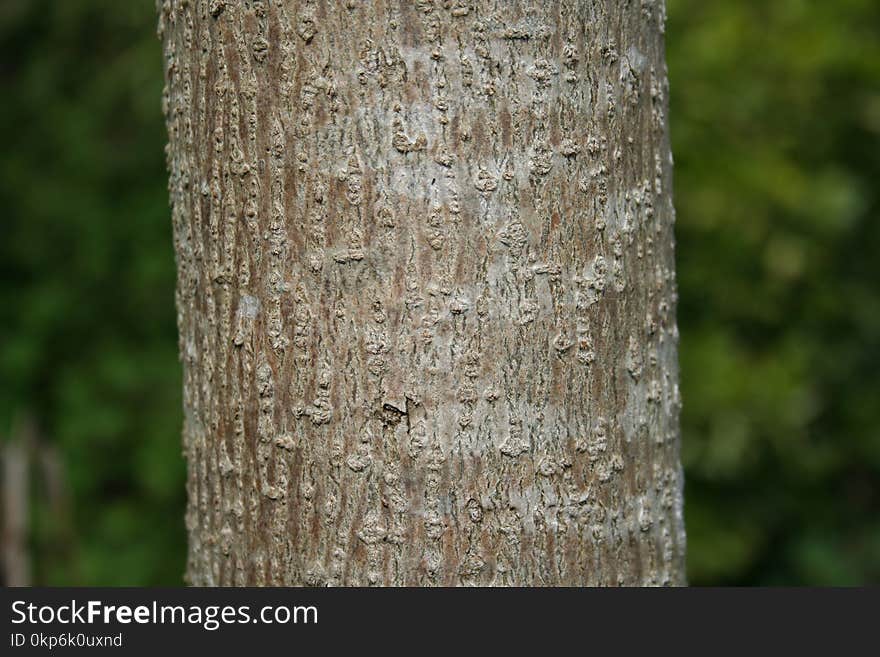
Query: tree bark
x=426 y=292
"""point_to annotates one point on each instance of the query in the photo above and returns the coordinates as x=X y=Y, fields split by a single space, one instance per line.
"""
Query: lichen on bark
x=426 y=291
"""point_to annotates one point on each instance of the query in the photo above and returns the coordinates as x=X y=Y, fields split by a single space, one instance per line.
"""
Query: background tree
x=425 y=292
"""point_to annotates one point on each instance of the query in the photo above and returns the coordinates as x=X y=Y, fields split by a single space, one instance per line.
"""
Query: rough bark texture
x=426 y=291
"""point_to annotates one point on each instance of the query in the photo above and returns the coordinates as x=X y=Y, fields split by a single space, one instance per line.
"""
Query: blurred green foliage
x=776 y=132
x=87 y=315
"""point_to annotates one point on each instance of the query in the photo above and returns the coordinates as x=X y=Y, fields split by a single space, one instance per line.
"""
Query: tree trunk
x=426 y=291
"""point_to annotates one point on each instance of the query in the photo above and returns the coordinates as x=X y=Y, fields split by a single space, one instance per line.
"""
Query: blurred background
x=776 y=134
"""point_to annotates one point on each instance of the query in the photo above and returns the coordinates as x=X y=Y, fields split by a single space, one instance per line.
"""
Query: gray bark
x=426 y=291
